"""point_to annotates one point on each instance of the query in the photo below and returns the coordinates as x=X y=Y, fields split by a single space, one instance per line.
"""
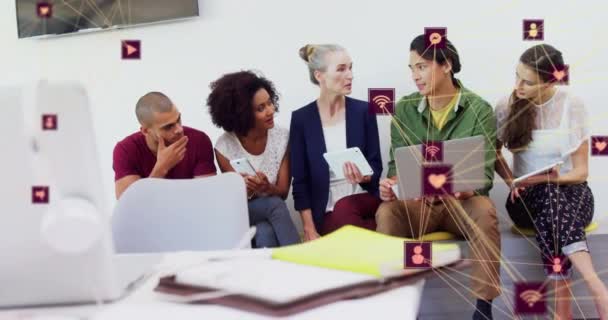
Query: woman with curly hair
x=244 y=104
x=542 y=124
x=333 y=122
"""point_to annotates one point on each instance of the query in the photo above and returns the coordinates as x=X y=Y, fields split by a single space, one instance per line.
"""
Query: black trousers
x=559 y=215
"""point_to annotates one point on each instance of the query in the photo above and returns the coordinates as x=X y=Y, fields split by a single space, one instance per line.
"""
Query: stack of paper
x=344 y=258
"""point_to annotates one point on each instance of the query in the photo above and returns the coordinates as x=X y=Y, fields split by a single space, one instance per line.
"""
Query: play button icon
x=131 y=49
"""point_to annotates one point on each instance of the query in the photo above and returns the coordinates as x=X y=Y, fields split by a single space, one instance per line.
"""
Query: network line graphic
x=527 y=297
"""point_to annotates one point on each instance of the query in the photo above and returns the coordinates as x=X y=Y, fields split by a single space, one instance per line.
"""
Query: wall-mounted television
x=53 y=17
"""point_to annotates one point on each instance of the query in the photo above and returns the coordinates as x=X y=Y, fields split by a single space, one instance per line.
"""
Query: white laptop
x=61 y=251
x=463 y=161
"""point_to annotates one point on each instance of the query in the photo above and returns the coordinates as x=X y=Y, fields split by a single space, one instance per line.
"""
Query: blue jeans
x=274 y=226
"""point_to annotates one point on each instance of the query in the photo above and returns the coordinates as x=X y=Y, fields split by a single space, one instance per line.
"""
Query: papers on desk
x=349 y=263
x=274 y=281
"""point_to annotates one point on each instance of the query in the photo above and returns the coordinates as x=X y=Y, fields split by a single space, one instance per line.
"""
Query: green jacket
x=472 y=116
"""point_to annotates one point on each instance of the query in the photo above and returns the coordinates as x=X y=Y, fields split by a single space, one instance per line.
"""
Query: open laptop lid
x=421 y=168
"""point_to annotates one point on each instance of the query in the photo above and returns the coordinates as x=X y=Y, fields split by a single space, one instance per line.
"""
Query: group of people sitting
x=538 y=122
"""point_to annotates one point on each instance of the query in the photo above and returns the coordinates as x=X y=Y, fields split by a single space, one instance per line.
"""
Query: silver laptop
x=55 y=240
x=444 y=167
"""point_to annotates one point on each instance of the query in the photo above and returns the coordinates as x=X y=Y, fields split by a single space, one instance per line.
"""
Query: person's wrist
x=309 y=227
x=311 y=232
x=158 y=171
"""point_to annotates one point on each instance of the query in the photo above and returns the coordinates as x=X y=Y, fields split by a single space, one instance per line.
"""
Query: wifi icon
x=433 y=151
x=381 y=101
x=530 y=298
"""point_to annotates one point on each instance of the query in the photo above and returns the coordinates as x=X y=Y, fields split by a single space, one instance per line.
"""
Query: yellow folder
x=360 y=250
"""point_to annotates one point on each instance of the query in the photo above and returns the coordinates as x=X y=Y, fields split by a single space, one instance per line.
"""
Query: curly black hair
x=231 y=97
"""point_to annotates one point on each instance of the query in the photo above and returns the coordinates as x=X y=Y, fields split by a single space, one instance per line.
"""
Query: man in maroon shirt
x=162 y=148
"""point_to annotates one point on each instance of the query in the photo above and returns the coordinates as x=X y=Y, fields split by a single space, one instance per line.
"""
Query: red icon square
x=436 y=180
x=49 y=122
x=381 y=101
x=417 y=254
x=534 y=29
x=433 y=151
x=558 y=266
x=40 y=195
x=530 y=298
x=561 y=75
x=435 y=37
x=44 y=9
x=599 y=145
x=131 y=49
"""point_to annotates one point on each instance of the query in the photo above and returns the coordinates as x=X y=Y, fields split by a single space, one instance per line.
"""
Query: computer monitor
x=55 y=238
x=51 y=17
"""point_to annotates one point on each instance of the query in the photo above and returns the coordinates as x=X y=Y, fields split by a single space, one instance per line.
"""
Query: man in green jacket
x=443 y=109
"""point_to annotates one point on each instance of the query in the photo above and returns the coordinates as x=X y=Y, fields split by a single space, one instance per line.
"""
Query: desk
x=143 y=303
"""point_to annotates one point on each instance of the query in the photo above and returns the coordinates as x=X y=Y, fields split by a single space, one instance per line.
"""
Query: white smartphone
x=536 y=172
x=243 y=166
x=336 y=161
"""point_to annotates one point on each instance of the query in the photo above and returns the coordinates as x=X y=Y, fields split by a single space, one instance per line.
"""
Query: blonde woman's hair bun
x=306 y=51
x=315 y=57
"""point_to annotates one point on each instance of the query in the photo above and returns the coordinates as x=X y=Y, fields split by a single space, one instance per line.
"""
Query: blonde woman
x=333 y=122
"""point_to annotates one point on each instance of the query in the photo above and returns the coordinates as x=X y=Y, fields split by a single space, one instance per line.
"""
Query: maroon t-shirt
x=133 y=157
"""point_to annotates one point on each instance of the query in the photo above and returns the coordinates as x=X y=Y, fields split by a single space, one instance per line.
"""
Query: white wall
x=182 y=58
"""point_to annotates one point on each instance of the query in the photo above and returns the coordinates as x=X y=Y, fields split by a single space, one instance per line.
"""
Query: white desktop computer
x=55 y=237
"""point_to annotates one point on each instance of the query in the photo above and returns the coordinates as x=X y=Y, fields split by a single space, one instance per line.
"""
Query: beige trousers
x=411 y=219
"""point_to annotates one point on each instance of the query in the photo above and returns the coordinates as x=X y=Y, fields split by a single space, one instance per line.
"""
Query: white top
x=562 y=125
x=268 y=162
x=335 y=140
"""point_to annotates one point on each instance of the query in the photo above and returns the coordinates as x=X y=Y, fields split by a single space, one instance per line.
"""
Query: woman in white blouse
x=542 y=124
x=243 y=104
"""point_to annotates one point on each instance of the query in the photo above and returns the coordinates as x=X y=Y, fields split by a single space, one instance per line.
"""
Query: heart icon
x=437 y=180
x=40 y=194
x=559 y=75
x=601 y=145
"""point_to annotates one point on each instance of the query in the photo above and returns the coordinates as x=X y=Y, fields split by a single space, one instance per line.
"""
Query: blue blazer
x=310 y=171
